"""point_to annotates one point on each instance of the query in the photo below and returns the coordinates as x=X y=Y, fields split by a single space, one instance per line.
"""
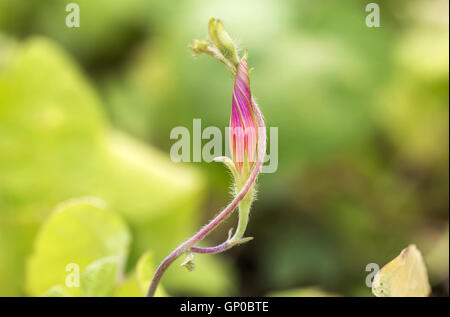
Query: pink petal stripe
x=243 y=127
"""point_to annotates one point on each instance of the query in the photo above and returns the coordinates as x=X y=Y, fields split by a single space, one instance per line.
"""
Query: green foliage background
x=87 y=112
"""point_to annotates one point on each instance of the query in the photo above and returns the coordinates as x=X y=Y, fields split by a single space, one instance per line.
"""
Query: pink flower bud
x=243 y=127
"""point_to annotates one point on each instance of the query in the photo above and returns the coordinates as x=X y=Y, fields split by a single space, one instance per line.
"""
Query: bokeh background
x=363 y=142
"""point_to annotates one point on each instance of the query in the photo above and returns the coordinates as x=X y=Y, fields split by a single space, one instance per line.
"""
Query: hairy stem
x=238 y=238
x=221 y=216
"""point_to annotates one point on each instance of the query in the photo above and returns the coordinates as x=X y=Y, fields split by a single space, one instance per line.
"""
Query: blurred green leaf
x=137 y=283
x=128 y=288
x=78 y=233
x=99 y=279
x=144 y=273
x=55 y=291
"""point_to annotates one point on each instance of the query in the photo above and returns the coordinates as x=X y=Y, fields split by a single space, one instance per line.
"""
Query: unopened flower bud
x=243 y=126
x=222 y=40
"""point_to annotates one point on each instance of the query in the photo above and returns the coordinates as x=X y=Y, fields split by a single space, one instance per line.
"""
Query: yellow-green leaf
x=137 y=283
x=404 y=276
x=78 y=233
x=99 y=279
x=55 y=291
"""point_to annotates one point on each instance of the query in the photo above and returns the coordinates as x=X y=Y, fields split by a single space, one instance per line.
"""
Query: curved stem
x=211 y=250
x=221 y=247
x=221 y=216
